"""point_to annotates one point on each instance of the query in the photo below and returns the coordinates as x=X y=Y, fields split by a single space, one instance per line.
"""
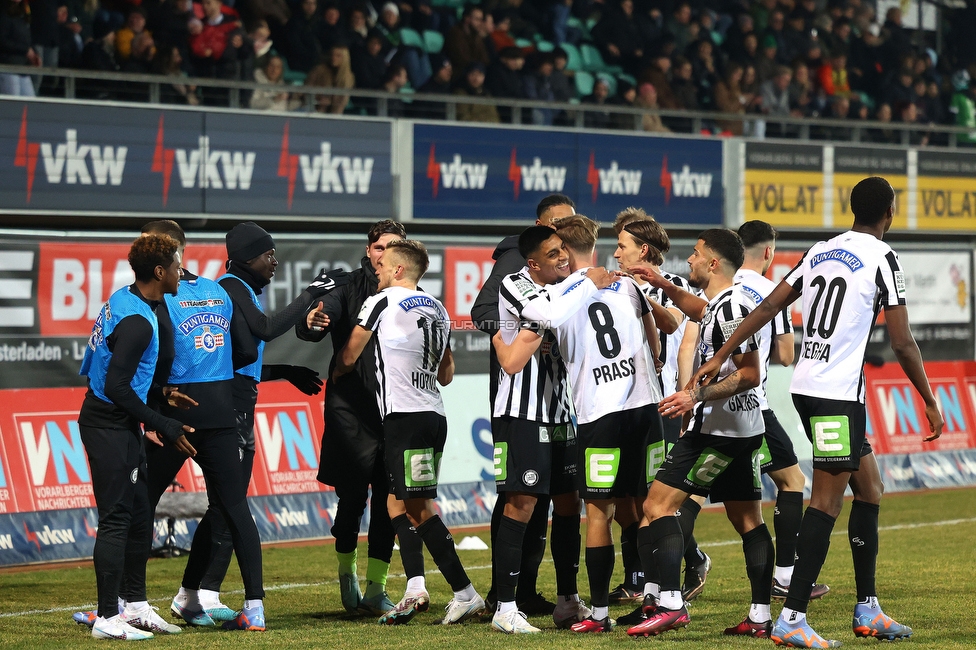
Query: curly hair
x=148 y=252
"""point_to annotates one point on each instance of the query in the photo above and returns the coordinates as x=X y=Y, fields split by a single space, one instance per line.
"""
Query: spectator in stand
x=395 y=81
x=334 y=72
x=505 y=79
x=865 y=65
x=804 y=99
x=500 y=34
x=142 y=54
x=135 y=24
x=808 y=10
x=681 y=27
x=833 y=76
x=438 y=84
x=99 y=54
x=473 y=85
x=260 y=37
x=897 y=37
x=464 y=43
x=762 y=13
x=647 y=98
x=908 y=114
x=775 y=98
x=900 y=91
x=368 y=64
x=768 y=59
x=525 y=18
x=685 y=90
x=388 y=25
x=749 y=55
x=304 y=48
x=538 y=86
x=358 y=29
x=735 y=38
x=15 y=47
x=814 y=57
x=70 y=43
x=729 y=98
x=44 y=34
x=935 y=110
x=419 y=15
x=659 y=74
x=619 y=37
x=169 y=26
x=963 y=107
x=626 y=98
x=921 y=91
x=277 y=13
x=775 y=30
x=220 y=49
x=273 y=100
x=840 y=109
x=600 y=97
x=705 y=73
x=839 y=37
x=750 y=82
x=169 y=63
x=884 y=135
x=796 y=35
x=332 y=32
x=562 y=87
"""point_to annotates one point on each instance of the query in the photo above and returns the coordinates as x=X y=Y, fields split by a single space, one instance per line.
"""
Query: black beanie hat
x=247 y=240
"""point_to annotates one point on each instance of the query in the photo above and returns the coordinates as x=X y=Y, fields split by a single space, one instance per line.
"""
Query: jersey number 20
x=833 y=298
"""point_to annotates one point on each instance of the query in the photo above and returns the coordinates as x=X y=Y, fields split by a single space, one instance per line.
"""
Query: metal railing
x=118 y=86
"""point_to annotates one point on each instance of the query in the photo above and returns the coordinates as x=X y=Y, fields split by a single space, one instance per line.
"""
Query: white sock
x=136 y=608
x=783 y=575
x=671 y=600
x=466 y=594
x=792 y=617
x=600 y=613
x=208 y=598
x=504 y=608
x=416 y=584
x=180 y=596
x=251 y=604
x=870 y=601
x=572 y=598
x=759 y=613
x=191 y=598
x=652 y=589
x=121 y=604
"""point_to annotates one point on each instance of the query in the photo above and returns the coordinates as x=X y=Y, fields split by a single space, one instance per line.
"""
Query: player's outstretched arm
x=665 y=320
x=653 y=340
x=782 y=350
x=445 y=371
x=354 y=347
x=686 y=301
x=562 y=303
x=910 y=359
x=781 y=297
x=745 y=376
x=686 y=353
x=513 y=357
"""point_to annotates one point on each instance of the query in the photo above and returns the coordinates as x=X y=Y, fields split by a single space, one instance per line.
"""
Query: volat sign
x=75 y=280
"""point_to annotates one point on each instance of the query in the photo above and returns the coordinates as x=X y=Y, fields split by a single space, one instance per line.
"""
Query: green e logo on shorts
x=763 y=454
x=831 y=436
x=420 y=467
x=655 y=456
x=709 y=467
x=601 y=466
x=500 y=469
x=757 y=461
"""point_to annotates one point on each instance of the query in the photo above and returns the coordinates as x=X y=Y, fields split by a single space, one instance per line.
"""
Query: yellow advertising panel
x=946 y=191
x=790 y=199
x=844 y=183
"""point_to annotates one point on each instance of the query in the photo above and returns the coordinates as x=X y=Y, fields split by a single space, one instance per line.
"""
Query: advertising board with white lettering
x=100 y=159
x=784 y=184
x=470 y=172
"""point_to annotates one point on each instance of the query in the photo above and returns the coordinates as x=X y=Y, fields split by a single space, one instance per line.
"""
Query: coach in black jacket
x=484 y=313
x=352 y=444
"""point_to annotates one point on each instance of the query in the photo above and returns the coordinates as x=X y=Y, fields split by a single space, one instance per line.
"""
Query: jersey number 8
x=606 y=336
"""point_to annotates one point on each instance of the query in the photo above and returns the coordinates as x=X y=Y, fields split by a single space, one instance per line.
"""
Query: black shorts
x=776 y=451
x=414 y=444
x=722 y=468
x=672 y=430
x=611 y=453
x=533 y=457
x=837 y=429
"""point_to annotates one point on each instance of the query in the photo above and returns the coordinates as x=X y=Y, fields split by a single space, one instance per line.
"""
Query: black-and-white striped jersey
x=738 y=416
x=412 y=331
x=605 y=350
x=539 y=391
x=669 y=342
x=844 y=282
x=758 y=288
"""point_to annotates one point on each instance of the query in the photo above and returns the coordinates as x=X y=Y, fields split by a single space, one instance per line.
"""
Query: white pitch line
x=306 y=585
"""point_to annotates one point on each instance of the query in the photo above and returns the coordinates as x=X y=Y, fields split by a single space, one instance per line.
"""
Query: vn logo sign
x=48 y=441
x=535 y=177
x=287 y=431
x=612 y=180
x=69 y=161
x=202 y=167
x=684 y=183
x=456 y=175
x=325 y=172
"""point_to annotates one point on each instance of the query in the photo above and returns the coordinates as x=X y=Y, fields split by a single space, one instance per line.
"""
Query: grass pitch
x=926 y=578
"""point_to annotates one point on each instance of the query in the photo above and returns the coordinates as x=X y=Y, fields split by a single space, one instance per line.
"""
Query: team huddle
x=634 y=394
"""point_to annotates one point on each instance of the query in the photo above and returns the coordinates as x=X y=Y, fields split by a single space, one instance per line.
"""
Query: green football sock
x=376 y=573
x=347 y=563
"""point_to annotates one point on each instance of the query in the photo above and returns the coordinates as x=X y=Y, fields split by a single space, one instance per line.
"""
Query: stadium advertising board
x=105 y=160
x=946 y=199
x=784 y=184
x=468 y=172
x=853 y=164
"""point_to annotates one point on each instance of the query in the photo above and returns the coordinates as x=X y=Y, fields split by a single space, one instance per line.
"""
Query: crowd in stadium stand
x=801 y=58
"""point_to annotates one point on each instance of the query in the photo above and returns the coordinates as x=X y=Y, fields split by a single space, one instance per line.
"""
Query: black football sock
x=862 y=528
x=411 y=547
x=633 y=574
x=565 y=548
x=811 y=552
x=599 y=570
x=440 y=543
x=757 y=546
x=669 y=545
x=786 y=523
x=687 y=515
x=533 y=550
x=508 y=558
x=496 y=518
x=645 y=548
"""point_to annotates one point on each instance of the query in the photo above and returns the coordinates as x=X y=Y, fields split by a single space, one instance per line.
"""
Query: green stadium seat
x=545 y=46
x=573 y=59
x=629 y=79
x=584 y=83
x=593 y=60
x=410 y=37
x=573 y=21
x=434 y=41
x=523 y=43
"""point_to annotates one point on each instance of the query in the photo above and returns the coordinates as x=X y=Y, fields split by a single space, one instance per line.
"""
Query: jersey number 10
x=435 y=340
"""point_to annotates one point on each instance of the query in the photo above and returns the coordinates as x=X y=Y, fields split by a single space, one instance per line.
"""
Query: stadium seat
x=545 y=46
x=629 y=79
x=584 y=83
x=411 y=38
x=593 y=60
x=434 y=41
x=575 y=22
x=289 y=76
x=523 y=43
x=573 y=59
